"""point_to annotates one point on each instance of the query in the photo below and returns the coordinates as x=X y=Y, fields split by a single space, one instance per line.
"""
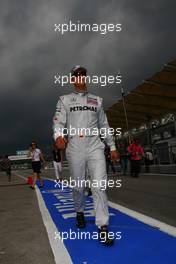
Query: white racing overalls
x=85 y=149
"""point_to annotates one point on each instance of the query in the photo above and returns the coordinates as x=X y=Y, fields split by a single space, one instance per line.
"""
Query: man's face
x=79 y=81
x=33 y=145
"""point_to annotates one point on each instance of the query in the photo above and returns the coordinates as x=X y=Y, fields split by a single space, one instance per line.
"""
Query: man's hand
x=60 y=143
x=115 y=156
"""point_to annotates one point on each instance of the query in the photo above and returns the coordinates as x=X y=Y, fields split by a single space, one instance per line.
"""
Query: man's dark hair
x=33 y=142
x=78 y=70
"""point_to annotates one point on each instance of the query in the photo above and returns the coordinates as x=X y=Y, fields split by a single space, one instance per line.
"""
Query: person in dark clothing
x=108 y=159
x=6 y=165
x=122 y=148
x=57 y=161
x=148 y=160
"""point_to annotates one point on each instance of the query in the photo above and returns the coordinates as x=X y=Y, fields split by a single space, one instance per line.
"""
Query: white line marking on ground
x=60 y=252
x=171 y=230
x=19 y=175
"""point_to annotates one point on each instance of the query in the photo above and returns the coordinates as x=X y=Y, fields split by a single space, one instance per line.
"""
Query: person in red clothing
x=136 y=153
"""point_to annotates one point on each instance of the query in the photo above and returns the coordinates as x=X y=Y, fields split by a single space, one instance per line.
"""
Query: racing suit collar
x=81 y=93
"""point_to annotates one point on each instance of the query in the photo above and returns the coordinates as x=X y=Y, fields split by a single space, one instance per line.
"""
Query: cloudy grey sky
x=31 y=53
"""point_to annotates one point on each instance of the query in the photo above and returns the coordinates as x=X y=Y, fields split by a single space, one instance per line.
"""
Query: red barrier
x=30 y=180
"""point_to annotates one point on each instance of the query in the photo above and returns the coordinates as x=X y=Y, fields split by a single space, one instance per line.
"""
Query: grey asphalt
x=23 y=235
x=151 y=194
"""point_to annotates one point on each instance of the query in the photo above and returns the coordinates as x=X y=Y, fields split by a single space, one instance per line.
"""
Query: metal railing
x=164 y=155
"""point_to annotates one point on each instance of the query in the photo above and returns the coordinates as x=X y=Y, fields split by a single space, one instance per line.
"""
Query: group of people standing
x=134 y=153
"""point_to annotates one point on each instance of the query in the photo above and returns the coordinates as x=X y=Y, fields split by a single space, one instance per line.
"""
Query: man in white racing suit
x=82 y=114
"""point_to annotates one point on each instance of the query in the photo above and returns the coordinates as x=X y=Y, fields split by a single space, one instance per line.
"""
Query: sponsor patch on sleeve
x=92 y=101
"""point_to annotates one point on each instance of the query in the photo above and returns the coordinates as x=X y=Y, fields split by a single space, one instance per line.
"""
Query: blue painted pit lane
x=139 y=243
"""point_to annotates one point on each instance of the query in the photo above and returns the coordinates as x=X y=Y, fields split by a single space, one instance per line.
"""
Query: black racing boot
x=104 y=236
x=80 y=221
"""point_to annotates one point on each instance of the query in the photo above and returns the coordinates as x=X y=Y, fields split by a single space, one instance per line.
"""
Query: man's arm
x=42 y=157
x=43 y=160
x=29 y=152
x=59 y=122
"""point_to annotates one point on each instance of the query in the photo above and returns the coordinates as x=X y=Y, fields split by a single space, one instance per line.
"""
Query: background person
x=57 y=161
x=36 y=157
x=148 y=160
x=6 y=165
x=136 y=154
x=109 y=162
x=122 y=148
